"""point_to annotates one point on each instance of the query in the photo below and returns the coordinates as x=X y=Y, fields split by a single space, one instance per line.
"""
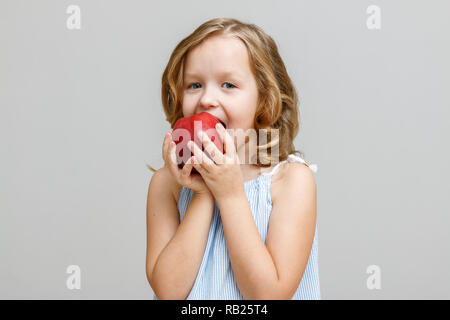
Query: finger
x=164 y=146
x=167 y=139
x=172 y=159
x=228 y=141
x=196 y=163
x=201 y=160
x=211 y=148
x=186 y=171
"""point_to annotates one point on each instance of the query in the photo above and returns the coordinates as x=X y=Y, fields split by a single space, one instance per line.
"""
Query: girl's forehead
x=219 y=54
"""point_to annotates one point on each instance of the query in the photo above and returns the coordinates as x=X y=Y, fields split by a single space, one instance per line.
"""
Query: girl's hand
x=221 y=172
x=182 y=176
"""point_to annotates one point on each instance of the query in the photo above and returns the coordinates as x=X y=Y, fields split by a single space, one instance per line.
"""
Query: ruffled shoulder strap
x=294 y=158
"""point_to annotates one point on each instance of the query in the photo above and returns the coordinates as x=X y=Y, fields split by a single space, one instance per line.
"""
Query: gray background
x=81 y=115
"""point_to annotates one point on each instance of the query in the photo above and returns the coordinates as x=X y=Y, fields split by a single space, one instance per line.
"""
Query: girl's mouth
x=224 y=125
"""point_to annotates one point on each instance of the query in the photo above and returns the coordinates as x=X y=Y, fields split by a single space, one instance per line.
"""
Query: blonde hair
x=278 y=101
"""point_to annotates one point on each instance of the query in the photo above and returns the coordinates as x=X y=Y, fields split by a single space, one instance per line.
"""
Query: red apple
x=187 y=129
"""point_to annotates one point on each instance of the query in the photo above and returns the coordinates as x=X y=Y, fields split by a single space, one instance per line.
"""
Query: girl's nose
x=209 y=98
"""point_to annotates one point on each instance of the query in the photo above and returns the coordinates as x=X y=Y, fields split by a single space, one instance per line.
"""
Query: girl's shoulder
x=168 y=182
x=291 y=175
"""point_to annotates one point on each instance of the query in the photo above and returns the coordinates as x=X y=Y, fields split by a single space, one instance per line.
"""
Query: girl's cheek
x=187 y=103
x=191 y=98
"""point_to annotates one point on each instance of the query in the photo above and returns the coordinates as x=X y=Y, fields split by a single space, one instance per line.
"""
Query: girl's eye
x=232 y=85
x=192 y=85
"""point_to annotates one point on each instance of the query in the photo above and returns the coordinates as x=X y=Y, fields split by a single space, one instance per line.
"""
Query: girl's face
x=218 y=80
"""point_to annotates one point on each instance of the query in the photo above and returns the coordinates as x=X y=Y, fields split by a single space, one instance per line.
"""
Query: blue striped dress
x=215 y=278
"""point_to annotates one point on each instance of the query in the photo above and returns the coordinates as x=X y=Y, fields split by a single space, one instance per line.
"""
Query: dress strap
x=294 y=158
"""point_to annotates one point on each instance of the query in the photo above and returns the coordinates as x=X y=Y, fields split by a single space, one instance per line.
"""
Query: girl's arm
x=175 y=249
x=272 y=270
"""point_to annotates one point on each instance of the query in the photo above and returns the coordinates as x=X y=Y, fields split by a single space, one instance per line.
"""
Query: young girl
x=237 y=230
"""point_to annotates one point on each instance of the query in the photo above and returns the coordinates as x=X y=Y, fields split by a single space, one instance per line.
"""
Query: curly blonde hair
x=278 y=101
